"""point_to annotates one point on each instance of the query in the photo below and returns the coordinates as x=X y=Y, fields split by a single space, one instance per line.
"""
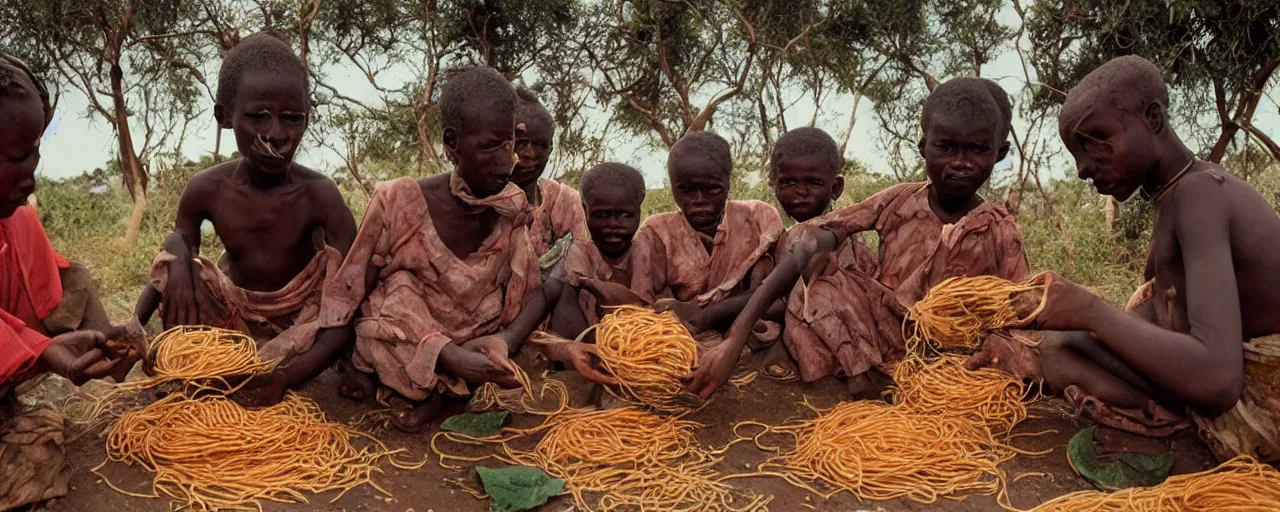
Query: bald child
x=1201 y=335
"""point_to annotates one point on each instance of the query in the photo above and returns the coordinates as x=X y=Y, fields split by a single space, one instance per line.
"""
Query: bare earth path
x=763 y=400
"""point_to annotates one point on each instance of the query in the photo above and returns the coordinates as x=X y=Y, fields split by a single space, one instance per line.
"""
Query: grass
x=1068 y=235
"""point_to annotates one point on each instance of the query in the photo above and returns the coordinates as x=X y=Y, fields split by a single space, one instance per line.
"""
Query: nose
x=1085 y=169
x=962 y=161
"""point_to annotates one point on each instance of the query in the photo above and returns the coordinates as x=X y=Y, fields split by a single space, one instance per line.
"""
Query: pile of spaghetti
x=1239 y=484
x=630 y=458
x=959 y=312
x=209 y=453
x=650 y=354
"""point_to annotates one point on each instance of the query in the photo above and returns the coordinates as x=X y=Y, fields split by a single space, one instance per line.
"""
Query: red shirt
x=29 y=290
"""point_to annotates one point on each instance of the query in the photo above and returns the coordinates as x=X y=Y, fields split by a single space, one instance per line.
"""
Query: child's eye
x=817 y=182
x=786 y=182
x=715 y=190
x=293 y=118
x=944 y=145
x=982 y=149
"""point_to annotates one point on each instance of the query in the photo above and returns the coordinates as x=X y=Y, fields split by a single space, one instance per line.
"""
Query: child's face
x=613 y=216
x=1112 y=149
x=805 y=186
x=533 y=146
x=700 y=188
x=23 y=120
x=482 y=153
x=269 y=118
x=960 y=152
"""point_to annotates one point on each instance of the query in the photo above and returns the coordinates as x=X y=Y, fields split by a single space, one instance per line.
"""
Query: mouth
x=613 y=240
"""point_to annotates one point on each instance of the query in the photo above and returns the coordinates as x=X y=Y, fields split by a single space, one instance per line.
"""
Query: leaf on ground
x=1128 y=470
x=516 y=488
x=476 y=424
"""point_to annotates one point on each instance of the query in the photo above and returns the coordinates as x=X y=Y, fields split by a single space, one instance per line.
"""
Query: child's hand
x=262 y=390
x=480 y=360
x=1067 y=307
x=1006 y=353
x=689 y=313
x=180 y=306
x=610 y=294
x=582 y=356
x=714 y=367
x=75 y=355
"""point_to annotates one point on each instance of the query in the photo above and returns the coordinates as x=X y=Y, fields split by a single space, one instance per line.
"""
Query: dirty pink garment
x=848 y=320
x=284 y=321
x=669 y=255
x=559 y=214
x=585 y=261
x=426 y=297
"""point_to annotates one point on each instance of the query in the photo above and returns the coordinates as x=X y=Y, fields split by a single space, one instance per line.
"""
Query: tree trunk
x=135 y=176
x=853 y=118
x=1112 y=211
x=1220 y=147
x=217 y=144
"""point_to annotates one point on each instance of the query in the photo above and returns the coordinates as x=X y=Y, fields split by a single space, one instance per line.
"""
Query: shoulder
x=760 y=212
x=1205 y=191
x=395 y=190
x=213 y=176
x=559 y=193
x=323 y=187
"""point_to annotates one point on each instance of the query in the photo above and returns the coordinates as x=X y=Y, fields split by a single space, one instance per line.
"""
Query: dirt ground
x=764 y=400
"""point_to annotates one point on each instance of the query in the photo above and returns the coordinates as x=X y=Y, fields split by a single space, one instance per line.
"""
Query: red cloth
x=585 y=261
x=30 y=289
x=669 y=255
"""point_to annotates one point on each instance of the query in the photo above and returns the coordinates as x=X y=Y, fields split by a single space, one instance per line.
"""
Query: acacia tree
x=1220 y=56
x=137 y=63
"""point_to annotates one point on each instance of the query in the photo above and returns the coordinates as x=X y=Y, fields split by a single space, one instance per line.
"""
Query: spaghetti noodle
x=1238 y=484
x=959 y=312
x=650 y=354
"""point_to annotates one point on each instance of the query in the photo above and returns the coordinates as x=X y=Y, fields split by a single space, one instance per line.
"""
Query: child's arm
x=718 y=363
x=184 y=244
x=338 y=222
x=1212 y=351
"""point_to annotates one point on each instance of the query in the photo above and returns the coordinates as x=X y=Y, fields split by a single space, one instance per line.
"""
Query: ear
x=1154 y=117
x=1004 y=151
x=920 y=146
x=221 y=115
x=837 y=188
x=450 y=139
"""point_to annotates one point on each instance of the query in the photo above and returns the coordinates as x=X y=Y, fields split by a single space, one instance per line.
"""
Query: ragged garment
x=30 y=290
x=558 y=220
x=585 y=261
x=848 y=320
x=668 y=255
x=426 y=297
x=284 y=321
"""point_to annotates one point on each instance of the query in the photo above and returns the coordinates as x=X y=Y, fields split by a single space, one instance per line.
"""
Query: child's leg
x=1076 y=358
x=355 y=384
x=419 y=416
x=567 y=319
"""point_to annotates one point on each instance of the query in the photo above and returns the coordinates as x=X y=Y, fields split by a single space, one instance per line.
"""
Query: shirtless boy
x=1203 y=336
x=442 y=273
x=847 y=321
x=703 y=259
x=32 y=454
x=557 y=209
x=285 y=227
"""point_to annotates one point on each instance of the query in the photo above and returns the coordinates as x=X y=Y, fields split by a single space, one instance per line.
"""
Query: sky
x=75 y=144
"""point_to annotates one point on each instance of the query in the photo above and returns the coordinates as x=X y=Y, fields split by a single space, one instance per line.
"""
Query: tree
x=1220 y=56
x=137 y=63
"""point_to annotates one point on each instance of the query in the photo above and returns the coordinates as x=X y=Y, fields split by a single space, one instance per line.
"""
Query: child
x=285 y=227
x=842 y=320
x=806 y=172
x=710 y=253
x=1201 y=334
x=442 y=272
x=32 y=468
x=612 y=195
x=557 y=209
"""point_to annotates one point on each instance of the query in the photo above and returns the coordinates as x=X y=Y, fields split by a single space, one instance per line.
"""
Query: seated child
x=612 y=195
x=1202 y=334
x=442 y=275
x=35 y=303
x=285 y=227
x=707 y=256
x=806 y=172
x=557 y=209
x=850 y=322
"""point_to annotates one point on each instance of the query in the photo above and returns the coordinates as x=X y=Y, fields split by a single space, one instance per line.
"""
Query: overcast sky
x=75 y=144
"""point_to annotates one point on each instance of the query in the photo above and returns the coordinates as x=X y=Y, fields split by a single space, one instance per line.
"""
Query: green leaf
x=476 y=424
x=517 y=488
x=1128 y=470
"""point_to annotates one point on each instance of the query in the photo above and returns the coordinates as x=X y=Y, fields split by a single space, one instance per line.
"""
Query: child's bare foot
x=355 y=384
x=868 y=385
x=416 y=419
x=777 y=364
